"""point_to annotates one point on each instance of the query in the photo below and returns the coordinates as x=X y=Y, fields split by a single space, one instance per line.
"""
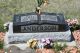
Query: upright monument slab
x=46 y=25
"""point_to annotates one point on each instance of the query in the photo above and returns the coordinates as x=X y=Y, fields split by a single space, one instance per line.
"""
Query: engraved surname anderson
x=36 y=28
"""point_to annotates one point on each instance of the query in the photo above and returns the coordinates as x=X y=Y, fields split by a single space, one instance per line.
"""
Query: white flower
x=48 y=41
x=43 y=40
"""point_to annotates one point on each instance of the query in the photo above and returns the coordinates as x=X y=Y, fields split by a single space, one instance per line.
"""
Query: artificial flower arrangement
x=32 y=43
x=46 y=2
x=42 y=43
x=47 y=42
x=74 y=24
x=41 y=46
x=72 y=21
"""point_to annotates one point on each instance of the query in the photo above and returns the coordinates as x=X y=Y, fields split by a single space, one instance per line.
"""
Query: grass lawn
x=70 y=8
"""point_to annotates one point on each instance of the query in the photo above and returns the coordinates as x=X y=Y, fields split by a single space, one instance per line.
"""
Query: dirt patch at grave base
x=1 y=40
x=1 y=36
x=76 y=35
x=1 y=51
x=45 y=51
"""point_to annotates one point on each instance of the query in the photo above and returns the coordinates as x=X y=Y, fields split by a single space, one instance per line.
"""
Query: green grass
x=70 y=8
x=1 y=45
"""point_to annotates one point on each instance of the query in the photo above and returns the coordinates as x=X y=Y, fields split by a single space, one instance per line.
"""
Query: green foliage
x=1 y=45
x=1 y=26
x=59 y=47
x=40 y=2
x=75 y=27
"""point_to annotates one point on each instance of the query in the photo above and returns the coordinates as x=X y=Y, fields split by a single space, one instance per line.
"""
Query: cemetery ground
x=59 y=49
x=70 y=8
